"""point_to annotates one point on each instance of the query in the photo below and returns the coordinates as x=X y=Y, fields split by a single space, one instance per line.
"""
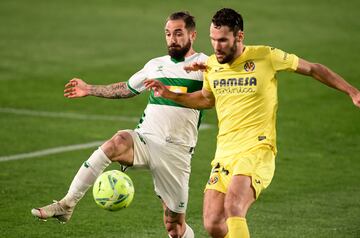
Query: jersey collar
x=242 y=56
x=183 y=59
x=177 y=60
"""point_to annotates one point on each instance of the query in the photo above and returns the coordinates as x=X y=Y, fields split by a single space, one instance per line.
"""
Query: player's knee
x=214 y=227
x=120 y=139
x=236 y=206
x=117 y=145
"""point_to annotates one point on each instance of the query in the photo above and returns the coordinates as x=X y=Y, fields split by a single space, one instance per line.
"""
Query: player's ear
x=240 y=36
x=193 y=36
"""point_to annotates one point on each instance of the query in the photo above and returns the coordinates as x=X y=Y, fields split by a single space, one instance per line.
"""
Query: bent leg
x=118 y=148
x=175 y=224
x=239 y=196
x=170 y=168
x=84 y=178
x=214 y=213
x=238 y=200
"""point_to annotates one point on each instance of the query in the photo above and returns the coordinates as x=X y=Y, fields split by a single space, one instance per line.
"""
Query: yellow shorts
x=258 y=163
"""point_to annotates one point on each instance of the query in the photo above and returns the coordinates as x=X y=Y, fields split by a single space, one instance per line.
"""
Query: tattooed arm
x=78 y=88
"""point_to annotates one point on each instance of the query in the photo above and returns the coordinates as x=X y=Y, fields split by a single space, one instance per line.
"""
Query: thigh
x=258 y=164
x=120 y=148
x=170 y=167
x=127 y=147
x=214 y=213
x=240 y=196
x=141 y=146
x=213 y=208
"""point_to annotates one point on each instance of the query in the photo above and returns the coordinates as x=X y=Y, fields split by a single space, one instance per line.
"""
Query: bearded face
x=177 y=51
x=178 y=39
x=226 y=56
x=227 y=44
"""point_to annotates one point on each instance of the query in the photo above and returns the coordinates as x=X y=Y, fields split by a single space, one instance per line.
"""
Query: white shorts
x=170 y=167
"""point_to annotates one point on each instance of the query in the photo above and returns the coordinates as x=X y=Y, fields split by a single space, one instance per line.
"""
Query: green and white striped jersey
x=163 y=118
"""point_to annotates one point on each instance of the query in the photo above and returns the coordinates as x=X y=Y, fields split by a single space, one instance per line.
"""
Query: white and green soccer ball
x=113 y=190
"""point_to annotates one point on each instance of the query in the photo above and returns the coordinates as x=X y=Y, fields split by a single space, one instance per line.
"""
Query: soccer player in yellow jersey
x=240 y=81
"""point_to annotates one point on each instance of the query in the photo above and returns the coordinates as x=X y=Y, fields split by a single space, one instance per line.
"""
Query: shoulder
x=260 y=50
x=197 y=57
x=212 y=60
x=202 y=57
x=158 y=60
x=264 y=50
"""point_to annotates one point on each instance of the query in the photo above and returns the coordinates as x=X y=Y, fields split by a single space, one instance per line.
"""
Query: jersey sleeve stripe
x=295 y=63
x=131 y=89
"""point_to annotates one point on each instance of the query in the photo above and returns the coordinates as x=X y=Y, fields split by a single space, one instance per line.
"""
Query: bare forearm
x=328 y=77
x=113 y=91
x=198 y=100
x=331 y=79
x=192 y=100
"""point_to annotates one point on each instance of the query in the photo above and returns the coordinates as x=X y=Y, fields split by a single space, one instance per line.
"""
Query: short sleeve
x=283 y=61
x=206 y=84
x=136 y=82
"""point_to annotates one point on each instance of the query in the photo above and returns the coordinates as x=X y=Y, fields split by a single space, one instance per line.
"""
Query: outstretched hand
x=159 y=88
x=76 y=88
x=195 y=66
x=356 y=99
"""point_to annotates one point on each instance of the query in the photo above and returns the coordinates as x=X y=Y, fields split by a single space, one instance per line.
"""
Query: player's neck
x=190 y=52
x=240 y=50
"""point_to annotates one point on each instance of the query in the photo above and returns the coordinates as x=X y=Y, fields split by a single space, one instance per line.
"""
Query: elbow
x=317 y=69
x=208 y=104
x=320 y=72
x=201 y=104
x=316 y=66
x=309 y=68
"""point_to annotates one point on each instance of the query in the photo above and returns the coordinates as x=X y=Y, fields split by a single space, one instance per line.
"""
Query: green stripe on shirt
x=191 y=85
x=131 y=89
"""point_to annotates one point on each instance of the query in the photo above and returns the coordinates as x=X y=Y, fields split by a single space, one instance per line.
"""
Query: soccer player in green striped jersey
x=164 y=138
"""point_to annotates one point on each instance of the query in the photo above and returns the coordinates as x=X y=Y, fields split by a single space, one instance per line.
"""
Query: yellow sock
x=237 y=228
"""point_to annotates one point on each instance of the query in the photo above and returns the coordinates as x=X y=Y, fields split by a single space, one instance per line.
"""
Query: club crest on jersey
x=249 y=66
x=213 y=180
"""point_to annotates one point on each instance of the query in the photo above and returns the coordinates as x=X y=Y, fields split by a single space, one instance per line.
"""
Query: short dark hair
x=228 y=17
x=186 y=17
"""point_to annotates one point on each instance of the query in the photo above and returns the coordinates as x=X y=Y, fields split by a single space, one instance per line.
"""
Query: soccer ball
x=113 y=190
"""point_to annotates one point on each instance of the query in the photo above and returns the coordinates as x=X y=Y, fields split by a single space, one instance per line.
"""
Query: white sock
x=86 y=176
x=189 y=233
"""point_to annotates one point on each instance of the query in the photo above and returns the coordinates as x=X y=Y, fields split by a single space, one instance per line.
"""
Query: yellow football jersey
x=246 y=97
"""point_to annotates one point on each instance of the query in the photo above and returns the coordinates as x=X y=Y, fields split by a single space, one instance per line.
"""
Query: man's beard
x=229 y=57
x=176 y=52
